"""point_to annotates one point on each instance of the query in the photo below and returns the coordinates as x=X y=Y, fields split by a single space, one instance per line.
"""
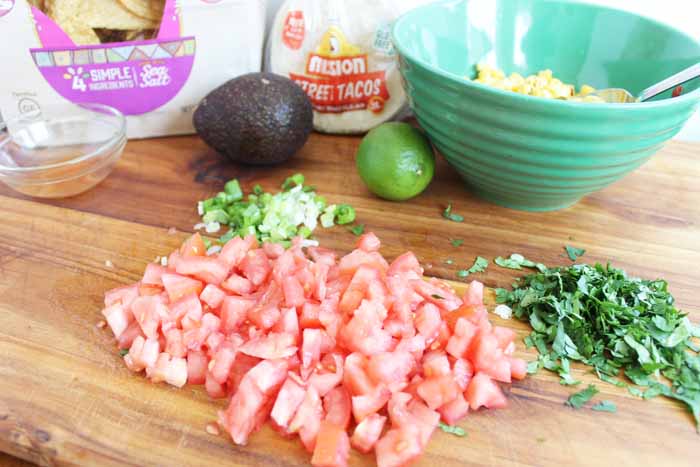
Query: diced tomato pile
x=351 y=352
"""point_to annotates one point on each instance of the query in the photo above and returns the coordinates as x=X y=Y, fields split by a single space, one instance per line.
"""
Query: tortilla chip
x=149 y=9
x=140 y=35
x=95 y=14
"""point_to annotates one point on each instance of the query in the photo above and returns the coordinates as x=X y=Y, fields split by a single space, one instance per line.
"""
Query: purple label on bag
x=134 y=77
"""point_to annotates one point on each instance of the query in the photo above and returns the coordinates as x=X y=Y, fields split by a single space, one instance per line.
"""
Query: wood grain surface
x=66 y=398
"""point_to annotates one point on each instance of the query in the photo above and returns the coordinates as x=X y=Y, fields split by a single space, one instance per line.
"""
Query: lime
x=396 y=161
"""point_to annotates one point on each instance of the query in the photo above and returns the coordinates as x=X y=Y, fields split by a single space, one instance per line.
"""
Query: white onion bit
x=503 y=311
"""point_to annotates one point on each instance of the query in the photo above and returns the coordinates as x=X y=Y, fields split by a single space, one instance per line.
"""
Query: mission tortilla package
x=153 y=60
x=340 y=52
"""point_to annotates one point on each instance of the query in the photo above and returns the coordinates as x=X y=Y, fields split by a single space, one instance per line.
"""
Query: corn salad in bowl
x=543 y=84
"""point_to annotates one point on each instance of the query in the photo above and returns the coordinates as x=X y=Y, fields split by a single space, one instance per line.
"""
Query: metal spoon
x=622 y=96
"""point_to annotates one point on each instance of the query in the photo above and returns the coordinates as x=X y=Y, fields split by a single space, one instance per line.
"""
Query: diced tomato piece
x=193 y=246
x=500 y=370
x=146 y=290
x=405 y=263
x=414 y=345
x=210 y=322
x=398 y=447
x=179 y=309
x=367 y=433
x=173 y=260
x=264 y=317
x=193 y=318
x=438 y=391
x=454 y=411
x=235 y=250
x=355 y=376
x=475 y=294
x=118 y=318
x=213 y=342
x=220 y=366
x=484 y=351
x=474 y=313
x=196 y=367
x=436 y=363
x=273 y=250
x=372 y=402
x=504 y=336
x=271 y=346
x=307 y=420
x=149 y=311
x=310 y=315
x=125 y=295
x=439 y=296
x=363 y=333
x=212 y=296
x=425 y=419
x=329 y=316
x=156 y=373
x=174 y=344
x=310 y=348
x=484 y=392
x=332 y=446
x=320 y=272
x=352 y=262
x=127 y=337
x=397 y=409
x=369 y=242
x=428 y=321
x=518 y=368
x=463 y=372
x=152 y=274
x=243 y=364
x=390 y=367
x=289 y=399
x=268 y=375
x=322 y=255
x=172 y=371
x=178 y=286
x=255 y=266
x=240 y=416
x=288 y=323
x=357 y=288
x=338 y=406
x=234 y=312
x=464 y=333
x=144 y=353
x=238 y=285
x=293 y=292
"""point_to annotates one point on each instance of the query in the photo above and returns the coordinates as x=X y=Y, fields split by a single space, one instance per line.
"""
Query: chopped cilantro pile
x=295 y=211
x=620 y=326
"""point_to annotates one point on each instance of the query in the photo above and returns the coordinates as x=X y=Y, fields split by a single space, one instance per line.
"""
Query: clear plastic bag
x=340 y=52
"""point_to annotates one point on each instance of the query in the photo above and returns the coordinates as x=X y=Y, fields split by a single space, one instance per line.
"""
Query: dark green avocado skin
x=257 y=119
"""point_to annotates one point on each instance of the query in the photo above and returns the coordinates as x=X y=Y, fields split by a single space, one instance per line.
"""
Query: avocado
x=258 y=119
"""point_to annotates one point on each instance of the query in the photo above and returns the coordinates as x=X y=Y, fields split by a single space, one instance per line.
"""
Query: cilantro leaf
x=437 y=297
x=574 y=253
x=448 y=214
x=457 y=242
x=480 y=265
x=618 y=325
x=605 y=406
x=517 y=261
x=123 y=352
x=358 y=230
x=455 y=430
x=462 y=273
x=577 y=400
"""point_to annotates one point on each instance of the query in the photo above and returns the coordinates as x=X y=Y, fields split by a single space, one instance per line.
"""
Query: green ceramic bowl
x=533 y=153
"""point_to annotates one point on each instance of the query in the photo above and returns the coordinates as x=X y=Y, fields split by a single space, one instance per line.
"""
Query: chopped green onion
x=233 y=190
x=291 y=182
x=344 y=214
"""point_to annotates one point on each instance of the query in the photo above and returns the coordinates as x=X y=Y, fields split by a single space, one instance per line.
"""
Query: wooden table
x=66 y=398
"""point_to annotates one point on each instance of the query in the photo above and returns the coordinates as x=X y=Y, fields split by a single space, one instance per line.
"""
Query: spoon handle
x=670 y=83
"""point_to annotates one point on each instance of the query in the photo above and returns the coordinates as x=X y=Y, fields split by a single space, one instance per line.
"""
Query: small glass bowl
x=61 y=153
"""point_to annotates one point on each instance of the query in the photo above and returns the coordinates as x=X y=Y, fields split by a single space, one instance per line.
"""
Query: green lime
x=396 y=161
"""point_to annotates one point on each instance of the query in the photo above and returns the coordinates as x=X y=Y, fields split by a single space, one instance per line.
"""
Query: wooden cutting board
x=66 y=398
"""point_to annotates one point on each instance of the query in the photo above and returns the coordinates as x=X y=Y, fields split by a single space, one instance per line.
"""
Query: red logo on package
x=294 y=30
